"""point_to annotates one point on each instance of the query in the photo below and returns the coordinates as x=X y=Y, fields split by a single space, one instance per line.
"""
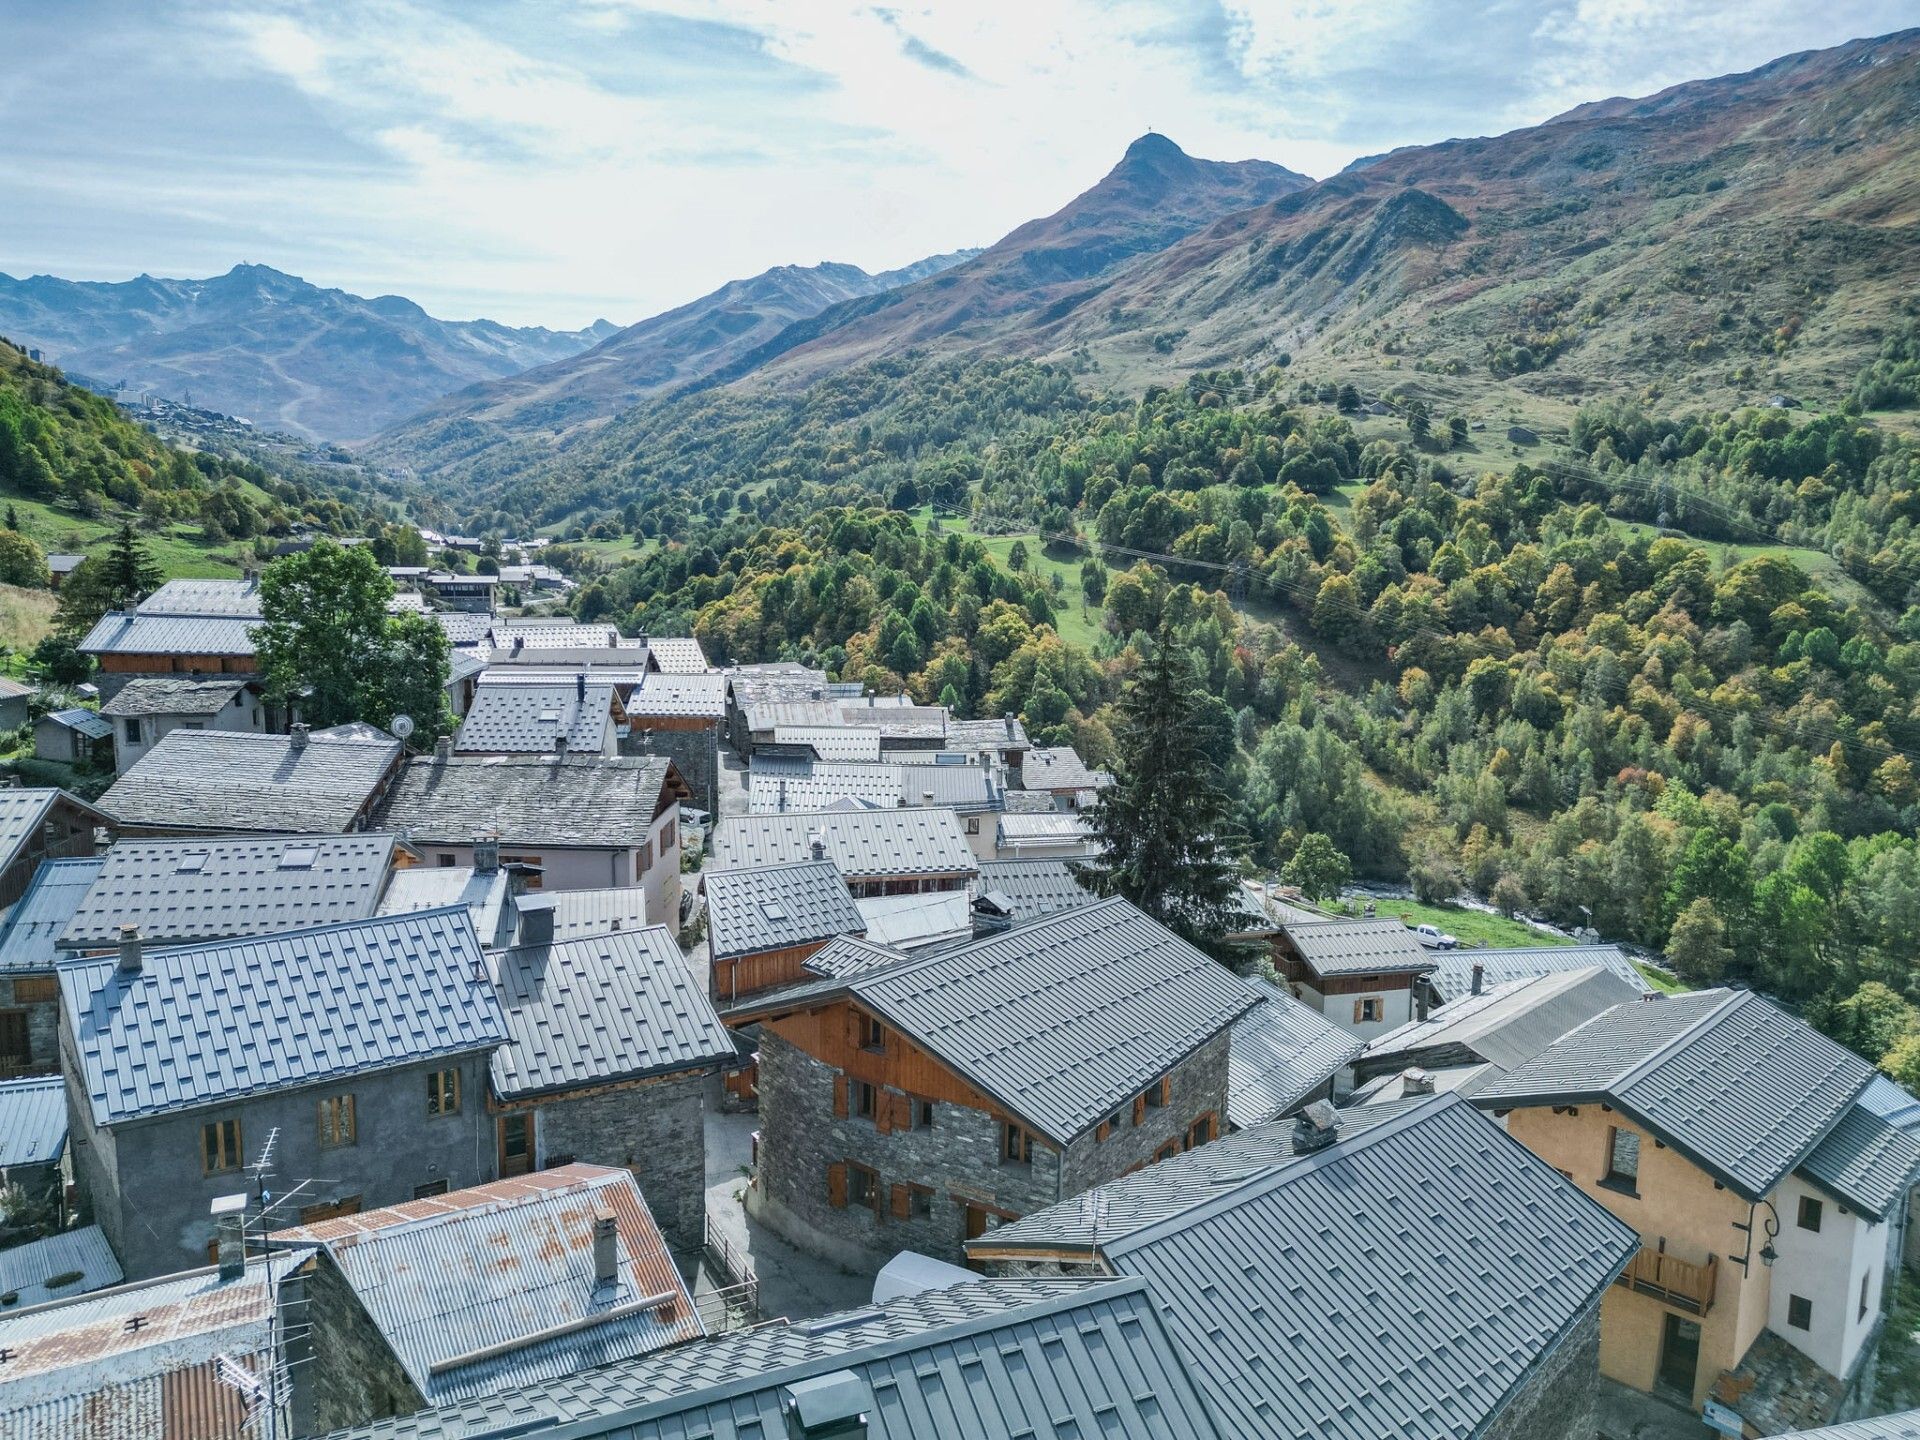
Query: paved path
x=1627 y=1414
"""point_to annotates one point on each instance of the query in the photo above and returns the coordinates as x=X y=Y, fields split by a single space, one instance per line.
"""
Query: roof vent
x=1315 y=1128
x=297 y=736
x=535 y=920
x=844 y=1320
x=1415 y=1081
x=827 y=1407
x=130 y=958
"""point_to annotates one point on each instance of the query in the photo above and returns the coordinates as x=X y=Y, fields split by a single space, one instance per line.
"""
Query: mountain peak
x=1154 y=146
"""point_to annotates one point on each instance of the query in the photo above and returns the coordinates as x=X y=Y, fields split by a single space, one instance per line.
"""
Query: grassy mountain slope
x=269 y=346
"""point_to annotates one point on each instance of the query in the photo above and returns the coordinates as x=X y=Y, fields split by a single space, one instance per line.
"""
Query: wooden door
x=516 y=1143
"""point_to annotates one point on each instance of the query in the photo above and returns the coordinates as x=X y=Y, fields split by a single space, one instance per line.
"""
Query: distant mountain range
x=268 y=346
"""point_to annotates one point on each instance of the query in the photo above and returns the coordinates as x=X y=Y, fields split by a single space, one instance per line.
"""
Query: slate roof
x=997 y=1360
x=24 y=811
x=1311 y=1307
x=1452 y=974
x=1359 y=947
x=677 y=654
x=31 y=928
x=182 y=890
x=81 y=1253
x=767 y=717
x=1508 y=1024
x=677 y=696
x=120 y=633
x=82 y=722
x=590 y=801
x=33 y=1121
x=912 y=922
x=864 y=844
x=224 y=780
x=895 y=721
x=172 y=695
x=500 y=1264
x=1735 y=1083
x=601 y=1008
x=200 y=1024
x=205 y=597
x=465 y=627
x=1033 y=887
x=1865 y=1161
x=775 y=907
x=530 y=719
x=976 y=735
x=1059 y=767
x=1282 y=1051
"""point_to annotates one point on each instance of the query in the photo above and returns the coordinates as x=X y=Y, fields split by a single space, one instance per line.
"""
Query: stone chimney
x=486 y=853
x=560 y=745
x=606 y=1250
x=298 y=735
x=1315 y=1128
x=580 y=686
x=1479 y=977
x=130 y=957
x=229 y=1236
x=443 y=748
x=1415 y=1081
x=817 y=844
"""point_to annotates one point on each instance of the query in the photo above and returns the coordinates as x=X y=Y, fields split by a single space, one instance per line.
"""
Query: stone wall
x=350 y=1376
x=695 y=754
x=1560 y=1399
x=1196 y=1086
x=43 y=1021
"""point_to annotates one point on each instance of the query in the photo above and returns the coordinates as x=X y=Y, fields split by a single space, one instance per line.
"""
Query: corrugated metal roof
x=1310 y=1303
x=172 y=695
x=677 y=654
x=606 y=1007
x=912 y=922
x=33 y=925
x=79 y=1258
x=1866 y=1161
x=593 y=801
x=1743 y=1088
x=1452 y=974
x=213 y=889
x=198 y=1024
x=33 y=1120
x=1282 y=1051
x=1033 y=888
x=1359 y=947
x=530 y=719
x=82 y=722
x=1508 y=1024
x=205 y=597
x=775 y=907
x=998 y=1360
x=677 y=696
x=117 y=633
x=230 y=780
x=502 y=1265
x=865 y=844
x=1904 y=1426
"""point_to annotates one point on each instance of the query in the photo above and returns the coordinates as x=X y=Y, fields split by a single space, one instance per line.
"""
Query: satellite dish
x=402 y=726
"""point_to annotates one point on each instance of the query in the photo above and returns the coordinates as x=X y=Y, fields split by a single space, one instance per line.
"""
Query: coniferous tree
x=129 y=572
x=1165 y=830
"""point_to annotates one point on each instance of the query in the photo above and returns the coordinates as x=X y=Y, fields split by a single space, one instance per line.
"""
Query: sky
x=551 y=163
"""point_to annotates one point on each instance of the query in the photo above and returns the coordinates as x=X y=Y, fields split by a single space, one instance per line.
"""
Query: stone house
x=612 y=1048
x=681 y=716
x=916 y=1103
x=143 y=711
x=1298 y=1263
x=1769 y=1201
x=15 y=700
x=361 y=1047
x=71 y=737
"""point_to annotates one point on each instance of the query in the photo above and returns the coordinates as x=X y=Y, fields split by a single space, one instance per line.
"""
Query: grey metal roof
x=1508 y=1024
x=484 y=893
x=1359 y=947
x=775 y=907
x=1033 y=887
x=33 y=1120
x=1865 y=1161
x=1453 y=1080
x=81 y=1258
x=865 y=844
x=677 y=654
x=205 y=597
x=1053 y=827
x=24 y=811
x=776 y=786
x=1904 y=1426
x=913 y=922
x=1059 y=767
x=497 y=1267
x=832 y=742
x=601 y=1008
x=767 y=717
x=119 y=633
x=1452 y=974
x=1740 y=1086
x=1310 y=1303
x=465 y=627
x=81 y=721
x=530 y=719
x=895 y=720
x=589 y=801
x=679 y=696
x=997 y=1360
x=212 y=889
x=223 y=780
x=173 y=695
x=12 y=689
x=578 y=913
x=198 y=1024
x=1891 y=1103
x=846 y=955
x=1282 y=1051
x=33 y=925
x=977 y=735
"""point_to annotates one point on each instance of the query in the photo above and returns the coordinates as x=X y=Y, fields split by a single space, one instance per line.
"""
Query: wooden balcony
x=1672 y=1281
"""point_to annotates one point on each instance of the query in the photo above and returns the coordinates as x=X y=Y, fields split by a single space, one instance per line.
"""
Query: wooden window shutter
x=837 y=1185
x=1166 y=1089
x=902 y=1112
x=882 y=1111
x=840 y=1084
x=1359 y=1006
x=1139 y=1109
x=902 y=1201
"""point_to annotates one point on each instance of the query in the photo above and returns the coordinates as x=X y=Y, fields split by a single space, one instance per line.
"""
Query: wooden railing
x=1673 y=1281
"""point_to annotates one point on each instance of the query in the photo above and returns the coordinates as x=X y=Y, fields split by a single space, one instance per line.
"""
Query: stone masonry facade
x=344 y=1373
x=1561 y=1397
x=695 y=754
x=30 y=994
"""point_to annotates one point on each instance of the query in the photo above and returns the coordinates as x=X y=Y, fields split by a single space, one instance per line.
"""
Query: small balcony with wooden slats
x=1673 y=1281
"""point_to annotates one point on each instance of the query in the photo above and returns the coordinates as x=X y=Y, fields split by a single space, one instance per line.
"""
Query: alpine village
x=1272 y=809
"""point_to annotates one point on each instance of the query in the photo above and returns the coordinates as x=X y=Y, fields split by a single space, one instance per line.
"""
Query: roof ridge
x=912 y=962
x=1644 y=1066
x=402 y=917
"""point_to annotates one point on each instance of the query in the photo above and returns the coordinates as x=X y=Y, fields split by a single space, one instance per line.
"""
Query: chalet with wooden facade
x=196 y=628
x=1360 y=974
x=765 y=921
x=917 y=1103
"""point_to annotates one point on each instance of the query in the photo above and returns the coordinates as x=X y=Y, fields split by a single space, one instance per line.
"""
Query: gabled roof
x=832 y=742
x=1508 y=1024
x=1452 y=974
x=771 y=716
x=679 y=696
x=599 y=1009
x=997 y=1360
x=977 y=735
x=579 y=913
x=205 y=597
x=467 y=1288
x=913 y=922
x=776 y=907
x=184 y=890
x=225 y=780
x=79 y=1258
x=677 y=654
x=434 y=887
x=465 y=627
x=1309 y=1303
x=120 y=633
x=779 y=787
x=81 y=722
x=1055 y=827
x=173 y=695
x=24 y=811
x=12 y=689
x=33 y=1121
x=1866 y=1162
x=1741 y=1087
x=31 y=928
x=592 y=801
x=1359 y=947
x=1282 y=1051
x=1032 y=888
x=199 y=1024
x=847 y=955
x=530 y=719
x=863 y=843
x=1059 y=767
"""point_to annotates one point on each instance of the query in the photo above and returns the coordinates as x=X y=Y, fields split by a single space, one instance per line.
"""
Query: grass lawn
x=25 y=617
x=1817 y=564
x=1077 y=623
x=1471 y=927
x=181 y=551
x=1660 y=981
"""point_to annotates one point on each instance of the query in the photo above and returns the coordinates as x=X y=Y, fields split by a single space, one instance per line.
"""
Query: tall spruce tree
x=1165 y=827
x=130 y=571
